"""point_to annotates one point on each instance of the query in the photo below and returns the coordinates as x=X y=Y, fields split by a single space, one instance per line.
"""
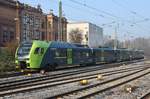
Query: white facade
x=92 y=34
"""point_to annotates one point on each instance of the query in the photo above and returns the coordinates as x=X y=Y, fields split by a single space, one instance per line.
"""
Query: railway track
x=93 y=89
x=14 y=74
x=146 y=95
x=84 y=76
x=10 y=74
x=50 y=83
x=57 y=74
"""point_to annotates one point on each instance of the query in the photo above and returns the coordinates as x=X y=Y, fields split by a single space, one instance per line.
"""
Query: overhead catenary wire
x=107 y=13
x=96 y=14
x=81 y=10
x=100 y=13
x=134 y=13
x=94 y=9
x=127 y=9
x=98 y=10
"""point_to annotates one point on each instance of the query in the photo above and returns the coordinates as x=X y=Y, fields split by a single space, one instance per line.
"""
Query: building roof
x=78 y=22
x=82 y=22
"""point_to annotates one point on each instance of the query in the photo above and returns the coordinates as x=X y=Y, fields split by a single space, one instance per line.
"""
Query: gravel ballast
x=141 y=85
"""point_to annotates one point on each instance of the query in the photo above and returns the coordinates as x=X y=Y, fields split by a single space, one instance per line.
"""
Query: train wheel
x=82 y=64
x=51 y=67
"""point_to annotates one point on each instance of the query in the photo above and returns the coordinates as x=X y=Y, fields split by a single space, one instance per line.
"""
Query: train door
x=69 y=56
x=36 y=57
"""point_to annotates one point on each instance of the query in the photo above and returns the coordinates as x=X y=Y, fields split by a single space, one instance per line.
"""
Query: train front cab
x=29 y=55
x=22 y=55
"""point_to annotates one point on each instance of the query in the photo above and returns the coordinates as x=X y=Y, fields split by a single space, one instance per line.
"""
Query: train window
x=87 y=54
x=77 y=54
x=57 y=54
x=64 y=53
x=107 y=53
x=39 y=50
x=61 y=53
x=84 y=54
x=98 y=53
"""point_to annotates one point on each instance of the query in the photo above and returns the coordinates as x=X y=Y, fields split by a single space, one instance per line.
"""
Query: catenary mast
x=60 y=22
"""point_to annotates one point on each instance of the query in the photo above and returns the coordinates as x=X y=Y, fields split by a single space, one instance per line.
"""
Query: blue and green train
x=43 y=55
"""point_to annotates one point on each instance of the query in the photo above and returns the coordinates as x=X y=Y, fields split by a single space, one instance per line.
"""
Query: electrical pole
x=115 y=33
x=17 y=23
x=115 y=37
x=115 y=43
x=60 y=22
x=124 y=42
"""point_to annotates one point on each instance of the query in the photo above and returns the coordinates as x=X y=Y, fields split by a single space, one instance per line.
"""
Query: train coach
x=43 y=55
x=49 y=55
x=104 y=55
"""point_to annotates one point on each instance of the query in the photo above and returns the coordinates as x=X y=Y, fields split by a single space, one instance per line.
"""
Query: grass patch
x=7 y=61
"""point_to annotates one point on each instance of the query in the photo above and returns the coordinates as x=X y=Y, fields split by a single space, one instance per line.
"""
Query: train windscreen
x=24 y=49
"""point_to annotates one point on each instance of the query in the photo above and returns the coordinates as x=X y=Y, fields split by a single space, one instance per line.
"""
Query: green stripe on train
x=69 y=56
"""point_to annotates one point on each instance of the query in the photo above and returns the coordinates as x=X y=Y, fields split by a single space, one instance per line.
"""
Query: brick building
x=20 y=22
x=7 y=21
x=52 y=28
x=33 y=23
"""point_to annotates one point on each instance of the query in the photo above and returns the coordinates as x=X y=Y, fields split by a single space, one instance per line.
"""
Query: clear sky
x=130 y=17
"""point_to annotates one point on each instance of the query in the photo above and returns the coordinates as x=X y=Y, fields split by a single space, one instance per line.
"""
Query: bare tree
x=110 y=44
x=75 y=36
x=11 y=47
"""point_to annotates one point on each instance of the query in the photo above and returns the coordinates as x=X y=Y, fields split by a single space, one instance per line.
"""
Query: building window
x=49 y=24
x=11 y=35
x=37 y=23
x=86 y=37
x=31 y=21
x=42 y=25
x=5 y=36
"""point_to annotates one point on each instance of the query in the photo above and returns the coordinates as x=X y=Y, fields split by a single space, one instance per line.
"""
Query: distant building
x=20 y=22
x=52 y=28
x=33 y=23
x=107 y=38
x=92 y=34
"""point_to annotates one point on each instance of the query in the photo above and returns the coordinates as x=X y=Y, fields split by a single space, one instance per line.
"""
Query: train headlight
x=27 y=61
x=16 y=62
x=22 y=71
x=17 y=67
